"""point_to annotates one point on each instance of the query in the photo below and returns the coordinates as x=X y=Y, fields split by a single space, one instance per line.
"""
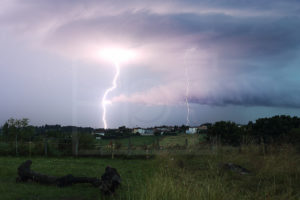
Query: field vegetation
x=273 y=175
x=180 y=167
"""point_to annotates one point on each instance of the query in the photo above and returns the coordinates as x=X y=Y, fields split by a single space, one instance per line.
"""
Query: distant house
x=202 y=128
x=191 y=130
x=98 y=135
x=135 y=130
x=138 y=130
x=149 y=131
x=164 y=130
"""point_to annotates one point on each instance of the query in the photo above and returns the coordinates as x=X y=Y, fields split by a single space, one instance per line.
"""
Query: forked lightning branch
x=116 y=56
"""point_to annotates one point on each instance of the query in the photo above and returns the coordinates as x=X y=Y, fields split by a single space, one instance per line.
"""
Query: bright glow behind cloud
x=117 y=55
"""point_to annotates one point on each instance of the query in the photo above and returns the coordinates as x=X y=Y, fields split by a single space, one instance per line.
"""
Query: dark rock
x=235 y=168
x=110 y=180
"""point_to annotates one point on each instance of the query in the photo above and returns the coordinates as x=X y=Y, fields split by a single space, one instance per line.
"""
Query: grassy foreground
x=275 y=175
x=133 y=173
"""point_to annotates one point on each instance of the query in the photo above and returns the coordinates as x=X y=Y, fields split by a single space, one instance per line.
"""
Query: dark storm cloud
x=241 y=47
x=288 y=99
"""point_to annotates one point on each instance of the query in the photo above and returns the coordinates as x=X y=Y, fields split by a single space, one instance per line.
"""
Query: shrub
x=118 y=145
x=6 y=149
x=226 y=132
x=86 y=141
x=38 y=148
x=23 y=148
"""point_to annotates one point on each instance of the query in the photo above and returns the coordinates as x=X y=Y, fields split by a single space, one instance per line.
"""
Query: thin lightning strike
x=104 y=100
x=187 y=93
x=187 y=85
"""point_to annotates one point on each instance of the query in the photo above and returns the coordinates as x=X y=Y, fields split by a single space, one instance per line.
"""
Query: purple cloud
x=236 y=53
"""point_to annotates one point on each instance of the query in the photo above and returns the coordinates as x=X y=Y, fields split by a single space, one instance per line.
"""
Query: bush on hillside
x=225 y=132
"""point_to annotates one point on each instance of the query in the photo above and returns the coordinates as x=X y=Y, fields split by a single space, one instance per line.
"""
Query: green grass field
x=195 y=175
x=180 y=140
x=165 y=141
x=134 y=174
x=136 y=141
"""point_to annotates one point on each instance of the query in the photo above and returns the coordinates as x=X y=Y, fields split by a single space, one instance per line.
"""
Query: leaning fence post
x=29 y=148
x=76 y=148
x=75 y=143
x=113 y=148
x=186 y=142
x=129 y=146
x=46 y=147
x=16 y=144
x=147 y=150
x=147 y=153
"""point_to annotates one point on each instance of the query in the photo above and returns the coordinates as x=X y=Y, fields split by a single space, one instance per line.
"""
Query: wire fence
x=143 y=147
x=128 y=147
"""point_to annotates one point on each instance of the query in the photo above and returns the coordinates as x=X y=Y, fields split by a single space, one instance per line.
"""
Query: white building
x=139 y=130
x=98 y=135
x=143 y=131
x=191 y=130
x=149 y=132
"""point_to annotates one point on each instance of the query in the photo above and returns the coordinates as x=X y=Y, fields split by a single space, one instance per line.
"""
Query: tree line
x=276 y=129
x=273 y=130
x=21 y=129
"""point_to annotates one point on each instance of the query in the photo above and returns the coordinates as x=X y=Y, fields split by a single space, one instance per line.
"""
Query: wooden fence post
x=129 y=147
x=147 y=153
x=46 y=146
x=113 y=148
x=75 y=143
x=186 y=143
x=100 y=149
x=30 y=149
x=17 y=144
x=76 y=148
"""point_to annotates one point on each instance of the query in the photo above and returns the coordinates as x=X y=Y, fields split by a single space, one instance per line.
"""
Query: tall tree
x=17 y=128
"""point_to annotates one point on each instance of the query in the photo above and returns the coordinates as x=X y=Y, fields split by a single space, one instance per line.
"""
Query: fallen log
x=235 y=168
x=108 y=183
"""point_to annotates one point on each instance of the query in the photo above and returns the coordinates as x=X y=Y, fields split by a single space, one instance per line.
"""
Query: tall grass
x=198 y=174
x=274 y=175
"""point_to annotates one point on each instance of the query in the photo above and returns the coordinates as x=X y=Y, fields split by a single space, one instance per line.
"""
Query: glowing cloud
x=117 y=55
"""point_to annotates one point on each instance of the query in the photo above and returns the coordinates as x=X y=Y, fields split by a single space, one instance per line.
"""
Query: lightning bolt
x=187 y=84
x=187 y=94
x=105 y=102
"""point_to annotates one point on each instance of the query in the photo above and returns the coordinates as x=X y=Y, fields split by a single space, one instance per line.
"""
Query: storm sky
x=240 y=59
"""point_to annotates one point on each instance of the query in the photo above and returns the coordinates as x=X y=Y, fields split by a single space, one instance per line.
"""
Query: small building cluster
x=159 y=130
